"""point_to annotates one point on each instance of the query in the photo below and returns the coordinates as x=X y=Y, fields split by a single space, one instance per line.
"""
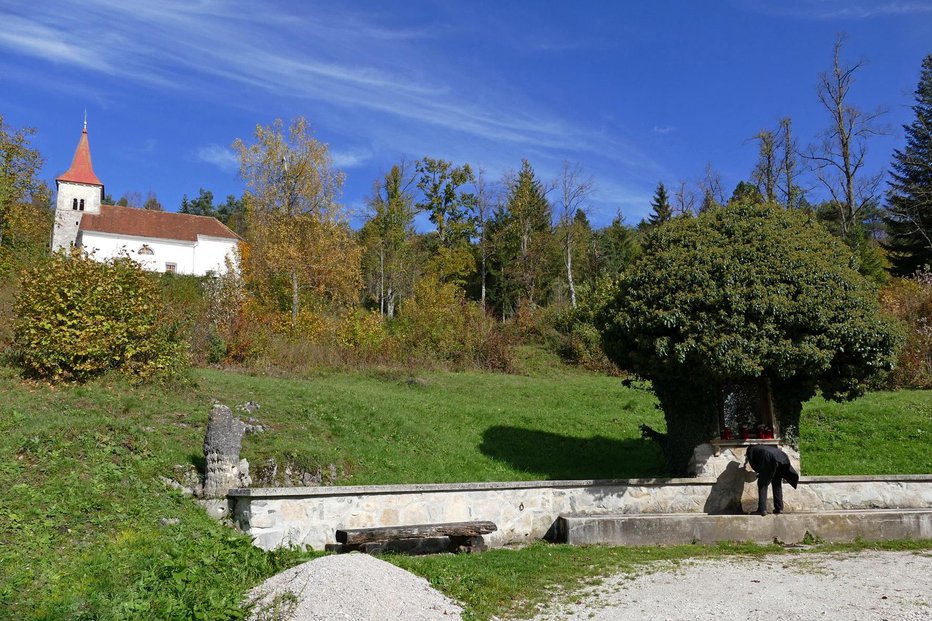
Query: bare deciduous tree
x=131 y=199
x=684 y=199
x=838 y=160
x=152 y=202
x=788 y=180
x=713 y=192
x=575 y=188
x=485 y=201
x=765 y=172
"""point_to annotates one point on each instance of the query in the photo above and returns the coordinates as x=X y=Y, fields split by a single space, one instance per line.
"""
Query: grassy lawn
x=880 y=433
x=445 y=427
x=81 y=504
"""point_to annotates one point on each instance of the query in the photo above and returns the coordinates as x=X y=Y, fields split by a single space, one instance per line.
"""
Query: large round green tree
x=738 y=293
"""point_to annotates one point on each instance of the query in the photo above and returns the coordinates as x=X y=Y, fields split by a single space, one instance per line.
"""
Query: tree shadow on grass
x=558 y=457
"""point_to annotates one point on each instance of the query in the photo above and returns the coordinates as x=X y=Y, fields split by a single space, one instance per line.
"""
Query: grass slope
x=81 y=503
x=445 y=427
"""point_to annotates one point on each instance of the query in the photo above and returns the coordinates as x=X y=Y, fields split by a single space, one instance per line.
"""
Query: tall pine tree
x=661 y=210
x=909 y=199
x=524 y=243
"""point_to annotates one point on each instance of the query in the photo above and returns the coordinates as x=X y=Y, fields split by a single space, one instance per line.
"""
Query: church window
x=81 y=206
x=146 y=250
x=74 y=204
x=171 y=267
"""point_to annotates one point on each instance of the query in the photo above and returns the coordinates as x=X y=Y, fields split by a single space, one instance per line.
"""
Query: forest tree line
x=444 y=240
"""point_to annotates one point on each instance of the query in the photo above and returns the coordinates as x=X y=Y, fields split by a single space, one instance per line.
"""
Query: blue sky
x=635 y=92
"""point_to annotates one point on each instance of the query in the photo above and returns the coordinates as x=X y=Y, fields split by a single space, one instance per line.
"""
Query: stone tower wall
x=67 y=219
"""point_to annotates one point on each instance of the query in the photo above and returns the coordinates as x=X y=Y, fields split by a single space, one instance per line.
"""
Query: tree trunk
x=788 y=163
x=381 y=279
x=294 y=297
x=569 y=265
x=482 y=269
x=689 y=407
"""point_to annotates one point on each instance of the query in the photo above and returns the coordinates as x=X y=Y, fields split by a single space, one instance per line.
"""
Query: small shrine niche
x=745 y=411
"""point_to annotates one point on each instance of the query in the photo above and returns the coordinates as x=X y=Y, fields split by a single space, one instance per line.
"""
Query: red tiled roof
x=81 y=170
x=157 y=224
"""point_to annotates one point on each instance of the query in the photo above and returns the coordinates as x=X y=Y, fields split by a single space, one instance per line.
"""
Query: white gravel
x=894 y=586
x=843 y=587
x=352 y=587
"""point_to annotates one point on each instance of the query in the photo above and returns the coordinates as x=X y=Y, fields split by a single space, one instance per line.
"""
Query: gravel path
x=849 y=587
x=896 y=586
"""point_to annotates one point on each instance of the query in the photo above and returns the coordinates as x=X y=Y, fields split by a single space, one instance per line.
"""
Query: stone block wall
x=528 y=511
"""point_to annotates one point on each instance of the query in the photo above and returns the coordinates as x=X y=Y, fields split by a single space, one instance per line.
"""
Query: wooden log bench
x=417 y=538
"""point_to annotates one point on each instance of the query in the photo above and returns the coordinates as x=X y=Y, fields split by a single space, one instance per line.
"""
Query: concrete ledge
x=375 y=490
x=672 y=529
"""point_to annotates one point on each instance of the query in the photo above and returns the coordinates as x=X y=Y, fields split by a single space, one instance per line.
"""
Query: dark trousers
x=774 y=477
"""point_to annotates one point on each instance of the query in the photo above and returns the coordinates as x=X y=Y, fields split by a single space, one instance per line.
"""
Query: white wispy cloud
x=221 y=157
x=664 y=129
x=343 y=59
x=35 y=39
x=837 y=9
x=350 y=158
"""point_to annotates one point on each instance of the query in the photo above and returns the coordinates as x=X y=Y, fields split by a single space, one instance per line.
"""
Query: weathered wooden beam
x=355 y=536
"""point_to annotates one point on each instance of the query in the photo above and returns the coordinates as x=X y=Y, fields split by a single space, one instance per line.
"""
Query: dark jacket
x=767 y=460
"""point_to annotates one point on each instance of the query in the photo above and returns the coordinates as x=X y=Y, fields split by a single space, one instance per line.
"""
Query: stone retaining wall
x=527 y=511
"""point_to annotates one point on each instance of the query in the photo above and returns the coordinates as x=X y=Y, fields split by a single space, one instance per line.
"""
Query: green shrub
x=438 y=323
x=78 y=318
x=910 y=301
x=7 y=298
x=232 y=328
x=362 y=329
x=581 y=342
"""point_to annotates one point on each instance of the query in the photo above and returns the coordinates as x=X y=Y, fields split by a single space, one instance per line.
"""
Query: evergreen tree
x=232 y=213
x=203 y=205
x=909 y=199
x=616 y=247
x=661 y=210
x=524 y=243
x=745 y=191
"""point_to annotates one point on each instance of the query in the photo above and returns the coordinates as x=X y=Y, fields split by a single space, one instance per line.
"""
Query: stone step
x=682 y=528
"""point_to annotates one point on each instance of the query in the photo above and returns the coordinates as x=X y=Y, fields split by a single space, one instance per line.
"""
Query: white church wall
x=207 y=255
x=211 y=253
x=164 y=252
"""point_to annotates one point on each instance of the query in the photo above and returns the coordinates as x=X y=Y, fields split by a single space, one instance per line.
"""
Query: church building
x=160 y=241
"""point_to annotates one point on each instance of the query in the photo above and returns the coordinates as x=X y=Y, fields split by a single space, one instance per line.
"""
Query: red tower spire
x=81 y=170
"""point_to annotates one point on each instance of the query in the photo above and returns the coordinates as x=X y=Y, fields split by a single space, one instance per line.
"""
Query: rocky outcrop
x=222 y=444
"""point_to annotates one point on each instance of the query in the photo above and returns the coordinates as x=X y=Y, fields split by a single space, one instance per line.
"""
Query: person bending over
x=772 y=467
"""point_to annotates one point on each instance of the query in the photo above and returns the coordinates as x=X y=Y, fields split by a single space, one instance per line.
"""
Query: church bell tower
x=79 y=192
